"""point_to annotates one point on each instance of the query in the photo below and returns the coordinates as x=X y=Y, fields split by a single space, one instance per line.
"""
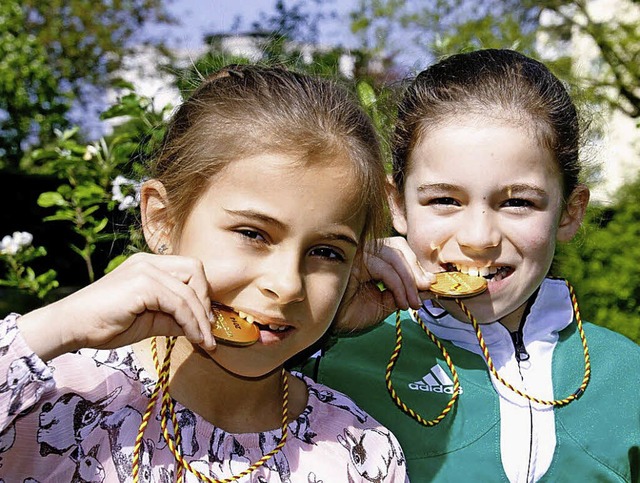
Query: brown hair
x=490 y=82
x=245 y=110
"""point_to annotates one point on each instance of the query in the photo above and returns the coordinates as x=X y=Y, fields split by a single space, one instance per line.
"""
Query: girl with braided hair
x=260 y=199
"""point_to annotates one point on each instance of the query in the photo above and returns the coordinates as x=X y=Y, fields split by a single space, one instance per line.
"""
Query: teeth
x=479 y=271
x=274 y=327
x=247 y=317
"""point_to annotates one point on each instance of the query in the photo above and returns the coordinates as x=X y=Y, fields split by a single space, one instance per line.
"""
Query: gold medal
x=458 y=285
x=229 y=328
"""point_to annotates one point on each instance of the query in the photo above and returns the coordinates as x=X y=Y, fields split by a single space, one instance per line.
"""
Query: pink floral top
x=76 y=418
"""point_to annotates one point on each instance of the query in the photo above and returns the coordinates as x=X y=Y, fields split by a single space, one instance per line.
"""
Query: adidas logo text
x=437 y=380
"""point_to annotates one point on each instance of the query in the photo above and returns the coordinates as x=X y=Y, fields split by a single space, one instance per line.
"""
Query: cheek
x=324 y=293
x=536 y=239
x=428 y=238
x=540 y=247
x=226 y=275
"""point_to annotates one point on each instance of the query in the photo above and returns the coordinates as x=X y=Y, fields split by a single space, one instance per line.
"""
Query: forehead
x=328 y=188
x=477 y=152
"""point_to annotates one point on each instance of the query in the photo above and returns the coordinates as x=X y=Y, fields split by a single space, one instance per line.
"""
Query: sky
x=201 y=17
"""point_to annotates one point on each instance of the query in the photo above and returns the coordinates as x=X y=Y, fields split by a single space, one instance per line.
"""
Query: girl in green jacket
x=508 y=385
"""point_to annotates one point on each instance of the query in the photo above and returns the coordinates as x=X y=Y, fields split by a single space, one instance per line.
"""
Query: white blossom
x=126 y=200
x=23 y=238
x=11 y=244
x=90 y=152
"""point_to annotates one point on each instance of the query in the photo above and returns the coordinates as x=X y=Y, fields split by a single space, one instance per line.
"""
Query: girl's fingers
x=146 y=288
x=181 y=293
x=195 y=277
x=393 y=283
x=395 y=264
x=408 y=259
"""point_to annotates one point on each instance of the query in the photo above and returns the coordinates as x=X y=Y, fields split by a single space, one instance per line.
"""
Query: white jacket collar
x=551 y=312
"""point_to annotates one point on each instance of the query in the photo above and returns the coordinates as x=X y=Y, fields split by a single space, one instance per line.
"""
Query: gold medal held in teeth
x=229 y=328
x=458 y=285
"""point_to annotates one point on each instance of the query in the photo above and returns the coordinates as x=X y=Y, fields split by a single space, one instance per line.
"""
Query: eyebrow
x=524 y=188
x=437 y=187
x=512 y=188
x=339 y=237
x=256 y=215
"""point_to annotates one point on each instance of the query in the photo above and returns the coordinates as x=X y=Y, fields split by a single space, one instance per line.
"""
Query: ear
x=573 y=213
x=396 y=205
x=154 y=210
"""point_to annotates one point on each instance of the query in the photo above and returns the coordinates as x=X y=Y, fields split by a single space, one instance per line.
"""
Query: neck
x=514 y=319
x=234 y=403
x=510 y=321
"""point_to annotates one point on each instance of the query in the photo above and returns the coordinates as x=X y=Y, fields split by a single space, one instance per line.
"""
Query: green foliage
x=31 y=103
x=93 y=185
x=602 y=264
x=378 y=107
x=88 y=39
x=375 y=22
x=443 y=27
x=55 y=53
x=16 y=254
x=85 y=191
x=612 y=77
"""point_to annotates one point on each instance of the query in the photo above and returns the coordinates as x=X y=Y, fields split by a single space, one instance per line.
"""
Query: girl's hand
x=148 y=295
x=404 y=284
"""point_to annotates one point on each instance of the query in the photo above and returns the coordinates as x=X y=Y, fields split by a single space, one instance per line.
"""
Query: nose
x=479 y=230
x=282 y=279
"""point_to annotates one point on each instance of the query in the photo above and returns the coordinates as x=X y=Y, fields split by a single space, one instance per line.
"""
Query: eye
x=517 y=203
x=89 y=416
x=328 y=253
x=445 y=200
x=252 y=235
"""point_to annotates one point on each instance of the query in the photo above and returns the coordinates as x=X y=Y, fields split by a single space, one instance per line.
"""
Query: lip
x=272 y=328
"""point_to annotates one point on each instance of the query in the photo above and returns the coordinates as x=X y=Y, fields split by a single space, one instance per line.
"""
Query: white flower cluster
x=11 y=244
x=126 y=201
x=90 y=152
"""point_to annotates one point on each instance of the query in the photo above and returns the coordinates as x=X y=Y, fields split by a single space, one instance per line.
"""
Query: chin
x=244 y=363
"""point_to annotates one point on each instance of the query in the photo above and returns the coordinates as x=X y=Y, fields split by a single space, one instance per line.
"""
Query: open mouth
x=278 y=328
x=494 y=273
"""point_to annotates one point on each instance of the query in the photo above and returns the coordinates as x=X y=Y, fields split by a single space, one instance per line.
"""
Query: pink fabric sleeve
x=24 y=377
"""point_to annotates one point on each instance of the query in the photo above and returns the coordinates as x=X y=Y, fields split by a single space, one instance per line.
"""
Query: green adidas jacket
x=597 y=436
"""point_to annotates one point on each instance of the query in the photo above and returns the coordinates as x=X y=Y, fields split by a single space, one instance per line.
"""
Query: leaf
x=115 y=262
x=51 y=198
x=100 y=226
x=366 y=94
x=359 y=24
x=62 y=215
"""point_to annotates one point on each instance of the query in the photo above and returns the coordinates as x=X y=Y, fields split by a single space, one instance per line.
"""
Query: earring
x=162 y=249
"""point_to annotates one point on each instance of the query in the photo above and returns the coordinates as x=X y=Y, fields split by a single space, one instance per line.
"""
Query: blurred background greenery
x=72 y=187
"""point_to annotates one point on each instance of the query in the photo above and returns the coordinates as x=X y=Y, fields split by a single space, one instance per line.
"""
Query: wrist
x=45 y=334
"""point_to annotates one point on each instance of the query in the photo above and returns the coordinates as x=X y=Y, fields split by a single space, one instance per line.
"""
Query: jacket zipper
x=518 y=344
